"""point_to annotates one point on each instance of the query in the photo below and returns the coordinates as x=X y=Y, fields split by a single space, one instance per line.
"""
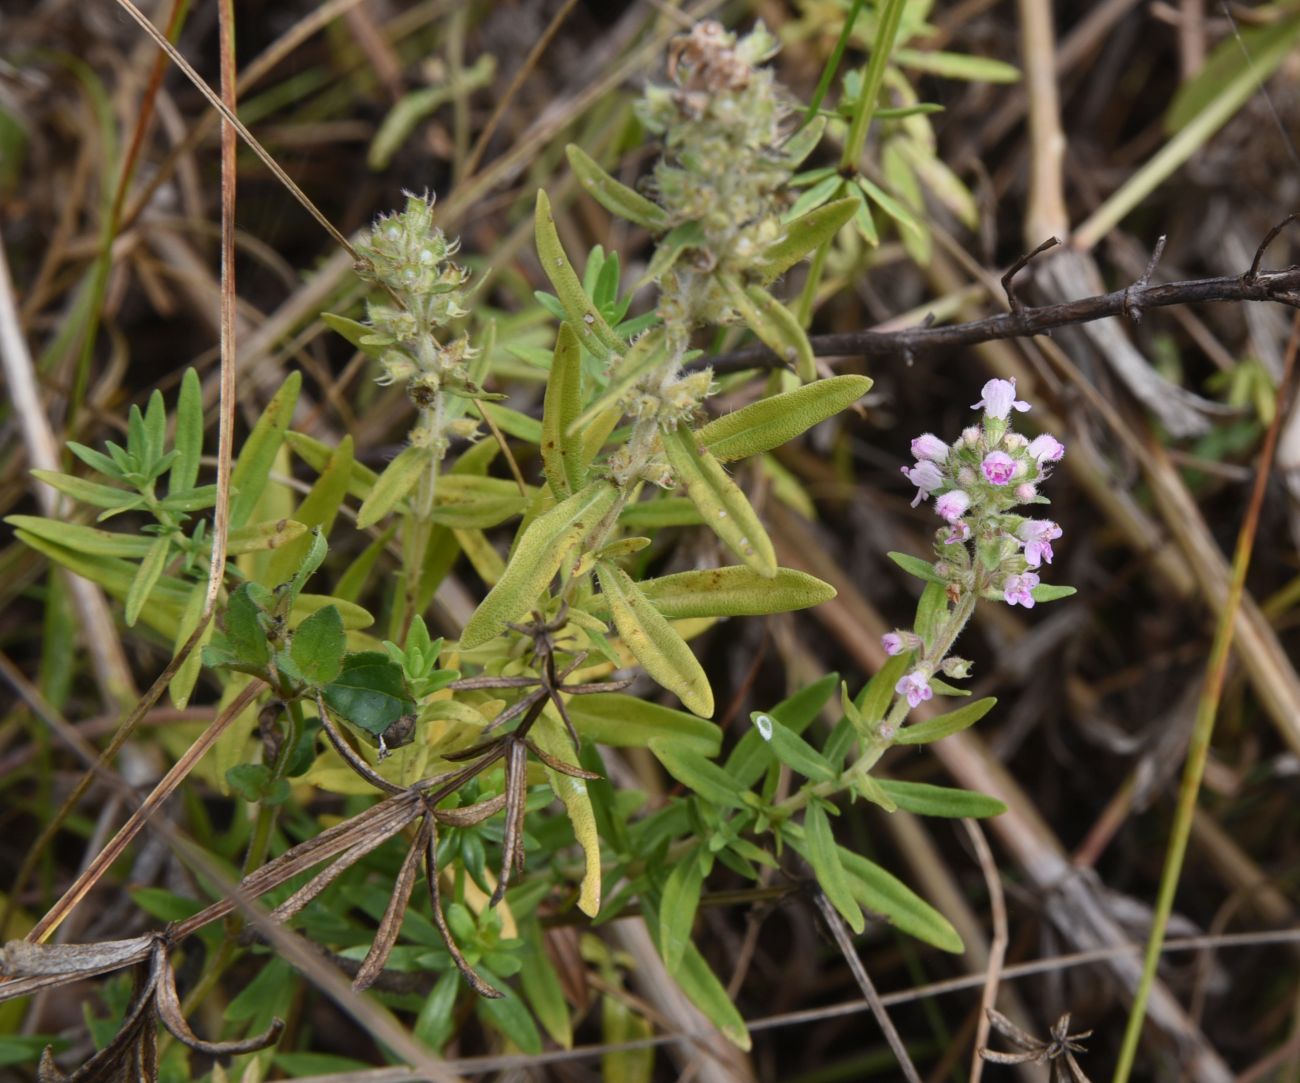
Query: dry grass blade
x=440 y=919
x=997 y=946
x=845 y=943
x=391 y=924
x=165 y=788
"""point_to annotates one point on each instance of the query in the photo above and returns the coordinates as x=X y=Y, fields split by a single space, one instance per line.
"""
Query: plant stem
x=865 y=108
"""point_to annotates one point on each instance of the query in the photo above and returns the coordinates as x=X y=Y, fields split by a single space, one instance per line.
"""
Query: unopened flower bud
x=928 y=446
x=957 y=668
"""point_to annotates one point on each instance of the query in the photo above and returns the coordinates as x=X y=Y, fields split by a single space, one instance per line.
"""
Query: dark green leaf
x=369 y=692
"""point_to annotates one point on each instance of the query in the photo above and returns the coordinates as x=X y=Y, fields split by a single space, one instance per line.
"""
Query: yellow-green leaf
x=803 y=234
x=733 y=591
x=145 y=578
x=771 y=422
x=615 y=197
x=553 y=739
x=655 y=643
x=593 y=332
x=724 y=507
x=537 y=557
x=249 y=476
x=562 y=454
x=398 y=479
x=774 y=324
x=318 y=508
x=622 y=721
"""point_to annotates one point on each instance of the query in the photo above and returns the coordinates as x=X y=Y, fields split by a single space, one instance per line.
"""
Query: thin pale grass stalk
x=1045 y=213
x=503 y=102
x=997 y=946
x=264 y=62
x=221 y=519
x=845 y=943
x=108 y=659
x=1198 y=750
x=228 y=115
x=161 y=792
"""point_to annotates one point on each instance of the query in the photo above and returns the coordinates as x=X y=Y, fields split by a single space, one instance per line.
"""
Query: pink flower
x=892 y=642
x=1018 y=589
x=1025 y=492
x=1038 y=535
x=915 y=687
x=1000 y=399
x=998 y=467
x=1046 y=449
x=952 y=505
x=926 y=477
x=929 y=446
x=960 y=532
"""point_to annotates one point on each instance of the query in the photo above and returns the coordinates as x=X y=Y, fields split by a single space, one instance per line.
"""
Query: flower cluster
x=411 y=258
x=986 y=549
x=722 y=168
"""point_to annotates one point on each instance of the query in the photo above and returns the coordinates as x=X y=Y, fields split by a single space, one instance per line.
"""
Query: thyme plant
x=463 y=748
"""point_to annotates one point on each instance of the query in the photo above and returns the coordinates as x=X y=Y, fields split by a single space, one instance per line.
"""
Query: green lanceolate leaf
x=592 y=330
x=678 y=904
x=882 y=893
x=706 y=992
x=655 y=643
x=256 y=457
x=537 y=557
x=398 y=479
x=369 y=692
x=181 y=686
x=922 y=569
x=562 y=454
x=931 y=611
x=85 y=539
x=927 y=800
x=793 y=750
x=824 y=857
x=874 y=700
x=621 y=721
x=355 y=332
x=319 y=508
x=936 y=729
x=318 y=646
x=774 y=325
x=90 y=492
x=244 y=636
x=803 y=235
x=189 y=434
x=795 y=149
x=753 y=752
x=1051 y=592
x=724 y=507
x=703 y=776
x=771 y=422
x=615 y=197
x=151 y=567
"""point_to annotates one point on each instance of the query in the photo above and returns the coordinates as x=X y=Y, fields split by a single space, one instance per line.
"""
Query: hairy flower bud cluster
x=975 y=483
x=411 y=258
x=721 y=169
